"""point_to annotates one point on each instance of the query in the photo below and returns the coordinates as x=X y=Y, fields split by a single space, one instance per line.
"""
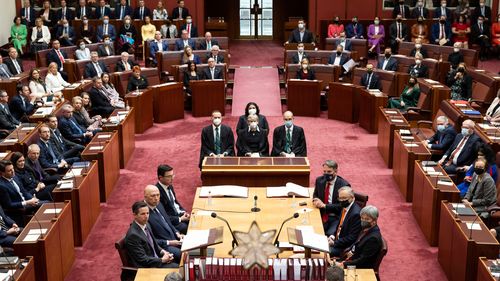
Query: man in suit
x=420 y=11
x=370 y=80
x=122 y=9
x=441 y=32
x=401 y=9
x=297 y=57
x=59 y=57
x=289 y=139
x=66 y=148
x=190 y=27
x=398 y=32
x=14 y=64
x=388 y=62
x=158 y=45
x=177 y=214
x=101 y=105
x=65 y=34
x=32 y=164
x=444 y=136
x=7 y=121
x=418 y=49
x=70 y=129
x=20 y=105
x=326 y=194
x=95 y=67
x=483 y=10
x=125 y=63
x=338 y=57
x=4 y=70
x=106 y=29
x=342 y=41
x=179 y=12
x=9 y=230
x=463 y=151
x=165 y=233
x=142 y=249
x=212 y=72
x=301 y=34
x=184 y=41
x=28 y=14
x=64 y=12
x=49 y=154
x=418 y=69
x=366 y=249
x=349 y=226
x=208 y=43
x=354 y=30
x=216 y=139
x=102 y=10
x=214 y=53
x=141 y=11
x=83 y=10
x=480 y=34
x=106 y=49
x=482 y=192
x=442 y=11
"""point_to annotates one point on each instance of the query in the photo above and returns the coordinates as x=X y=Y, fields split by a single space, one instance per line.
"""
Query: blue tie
x=52 y=154
x=169 y=229
x=76 y=126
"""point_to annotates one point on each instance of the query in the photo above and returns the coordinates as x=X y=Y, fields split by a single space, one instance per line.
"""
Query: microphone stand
x=234 y=242
x=276 y=242
x=255 y=209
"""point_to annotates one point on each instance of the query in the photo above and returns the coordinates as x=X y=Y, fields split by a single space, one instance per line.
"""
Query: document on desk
x=96 y=147
x=397 y=120
x=104 y=136
x=428 y=169
x=391 y=112
x=224 y=191
x=27 y=128
x=3 y=154
x=404 y=132
x=289 y=190
x=447 y=183
x=9 y=140
x=31 y=237
x=315 y=241
x=194 y=239
x=37 y=231
x=72 y=173
x=411 y=145
x=485 y=126
x=52 y=211
x=473 y=226
x=407 y=137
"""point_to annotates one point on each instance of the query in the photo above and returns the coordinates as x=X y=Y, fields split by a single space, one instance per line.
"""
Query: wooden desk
x=28 y=272
x=76 y=89
x=207 y=96
x=124 y=123
x=369 y=104
x=483 y=270
x=460 y=248
x=489 y=134
x=459 y=107
x=247 y=171
x=405 y=152
x=436 y=93
x=153 y=274
x=16 y=141
x=142 y=102
x=85 y=202
x=343 y=102
x=428 y=193
x=389 y=120
x=53 y=253
x=10 y=85
x=168 y=102
x=303 y=97
x=40 y=117
x=105 y=149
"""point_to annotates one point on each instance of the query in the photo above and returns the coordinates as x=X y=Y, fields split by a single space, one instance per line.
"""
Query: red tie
x=189 y=30
x=61 y=58
x=324 y=217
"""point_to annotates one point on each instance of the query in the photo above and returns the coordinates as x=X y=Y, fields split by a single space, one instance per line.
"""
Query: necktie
x=13 y=182
x=342 y=217
x=288 y=141
x=127 y=66
x=189 y=30
x=3 y=225
x=212 y=73
x=209 y=45
x=150 y=241
x=170 y=231
x=24 y=102
x=64 y=13
x=441 y=35
x=102 y=12
x=122 y=12
x=51 y=152
x=324 y=217
x=369 y=81
x=76 y=126
x=180 y=13
x=481 y=28
x=168 y=33
x=217 y=141
x=98 y=69
x=399 y=31
x=105 y=29
x=82 y=13
x=5 y=73
x=402 y=11
x=142 y=13
x=39 y=170
x=27 y=14
x=421 y=11
x=61 y=58
x=459 y=147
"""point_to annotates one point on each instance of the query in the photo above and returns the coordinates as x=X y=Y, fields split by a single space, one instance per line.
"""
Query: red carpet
x=256 y=53
x=260 y=85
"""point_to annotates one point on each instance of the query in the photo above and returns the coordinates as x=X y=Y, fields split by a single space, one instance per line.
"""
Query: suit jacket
x=415 y=13
x=91 y=71
x=70 y=15
x=207 y=75
x=120 y=66
x=88 y=12
x=482 y=194
x=60 y=142
x=175 y=13
x=435 y=32
x=333 y=56
x=101 y=51
x=46 y=159
x=38 y=171
x=99 y=14
x=405 y=10
x=146 y=12
x=53 y=57
x=179 y=44
x=5 y=74
x=101 y=104
x=32 y=16
x=351 y=228
x=8 y=222
x=299 y=147
x=153 y=48
x=296 y=59
x=208 y=141
x=443 y=140
x=295 y=37
x=367 y=249
x=203 y=44
x=455 y=58
x=311 y=75
x=243 y=124
x=392 y=64
x=69 y=131
x=352 y=31
x=194 y=30
x=469 y=150
x=420 y=72
x=18 y=109
x=475 y=32
x=111 y=32
x=347 y=45
x=51 y=21
x=9 y=197
x=10 y=64
x=128 y=11
x=477 y=12
x=438 y=14
x=140 y=253
x=319 y=192
x=218 y=59
x=422 y=51
x=249 y=143
x=168 y=205
x=393 y=31
x=374 y=83
x=7 y=121
x=163 y=230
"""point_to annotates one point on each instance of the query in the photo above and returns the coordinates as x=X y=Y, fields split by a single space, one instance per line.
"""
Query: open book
x=289 y=189
x=224 y=191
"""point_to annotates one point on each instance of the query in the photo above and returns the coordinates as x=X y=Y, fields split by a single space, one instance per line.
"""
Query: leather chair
x=419 y=112
x=380 y=257
x=361 y=199
x=128 y=271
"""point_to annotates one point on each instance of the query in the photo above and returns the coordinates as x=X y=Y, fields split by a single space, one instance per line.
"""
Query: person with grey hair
x=214 y=53
x=365 y=251
x=325 y=196
x=334 y=273
x=95 y=67
x=212 y=72
x=70 y=129
x=209 y=43
x=253 y=140
x=175 y=276
x=444 y=136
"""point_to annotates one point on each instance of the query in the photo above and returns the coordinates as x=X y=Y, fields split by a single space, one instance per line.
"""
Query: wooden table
x=168 y=102
x=303 y=97
x=153 y=274
x=459 y=106
x=247 y=171
x=483 y=269
x=53 y=253
x=28 y=272
x=123 y=122
x=39 y=116
x=105 y=149
x=389 y=120
x=489 y=134
x=142 y=102
x=369 y=104
x=406 y=151
x=76 y=89
x=343 y=102
x=428 y=192
x=459 y=247
x=85 y=202
x=436 y=92
x=207 y=96
x=16 y=141
x=10 y=85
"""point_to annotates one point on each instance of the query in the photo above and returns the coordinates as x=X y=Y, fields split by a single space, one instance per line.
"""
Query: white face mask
x=253 y=125
x=376 y=22
x=217 y=121
x=418 y=46
x=456 y=50
x=443 y=5
x=301 y=25
x=418 y=61
x=304 y=66
x=82 y=46
x=252 y=111
x=301 y=50
x=189 y=21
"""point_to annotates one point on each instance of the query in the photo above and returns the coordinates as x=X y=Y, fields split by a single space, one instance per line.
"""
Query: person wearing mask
x=87 y=32
x=137 y=81
x=23 y=104
x=482 y=191
x=297 y=57
x=388 y=62
x=94 y=67
x=441 y=32
x=305 y=72
x=209 y=42
x=289 y=139
x=211 y=72
x=141 y=11
x=493 y=113
x=461 y=30
x=190 y=27
x=301 y=34
x=106 y=49
x=408 y=98
x=398 y=32
x=460 y=83
x=483 y=10
x=480 y=34
x=127 y=36
x=344 y=42
x=443 y=11
x=168 y=30
x=252 y=142
x=160 y=13
x=354 y=30
x=82 y=53
x=326 y=196
x=483 y=152
x=463 y=151
x=456 y=57
x=122 y=9
x=217 y=139
x=252 y=109
x=82 y=10
x=40 y=37
x=463 y=9
x=338 y=57
x=420 y=11
x=444 y=136
x=420 y=31
x=370 y=80
x=18 y=35
x=419 y=49
x=180 y=12
x=401 y=9
x=125 y=63
x=106 y=29
x=148 y=30
x=418 y=69
x=376 y=34
x=184 y=41
x=335 y=28
x=102 y=10
x=495 y=35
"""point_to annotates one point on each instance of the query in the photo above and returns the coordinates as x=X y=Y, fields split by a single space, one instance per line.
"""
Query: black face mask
x=399 y=20
x=365 y=225
x=336 y=21
x=328 y=177
x=442 y=21
x=479 y=171
x=339 y=53
x=344 y=204
x=369 y=71
x=461 y=69
x=387 y=55
x=420 y=21
x=411 y=84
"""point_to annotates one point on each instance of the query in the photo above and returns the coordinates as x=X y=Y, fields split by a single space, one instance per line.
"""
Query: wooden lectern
x=296 y=237
x=304 y=97
x=208 y=95
x=343 y=102
x=215 y=236
x=168 y=102
x=369 y=105
x=142 y=102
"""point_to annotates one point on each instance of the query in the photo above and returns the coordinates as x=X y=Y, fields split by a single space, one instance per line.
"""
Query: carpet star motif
x=255 y=246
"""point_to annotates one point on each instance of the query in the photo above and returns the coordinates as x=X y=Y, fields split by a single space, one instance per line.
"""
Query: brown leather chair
x=128 y=271
x=484 y=89
x=419 y=112
x=380 y=257
x=361 y=199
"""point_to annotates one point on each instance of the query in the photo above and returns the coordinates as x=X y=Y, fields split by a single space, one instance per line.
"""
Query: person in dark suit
x=122 y=9
x=65 y=34
x=64 y=12
x=401 y=9
x=444 y=136
x=28 y=14
x=354 y=30
x=125 y=63
x=106 y=29
x=418 y=49
x=300 y=54
x=342 y=41
x=305 y=72
x=338 y=58
x=184 y=41
x=301 y=34
x=9 y=233
x=157 y=45
x=165 y=233
x=368 y=245
x=289 y=139
x=460 y=83
x=418 y=69
x=190 y=27
x=463 y=151
x=33 y=165
x=441 y=32
x=209 y=42
x=106 y=49
x=388 y=62
x=482 y=192
x=83 y=10
x=21 y=105
x=142 y=249
x=101 y=104
x=326 y=194
x=252 y=109
x=66 y=148
x=70 y=129
x=212 y=72
x=179 y=12
x=177 y=214
x=7 y=121
x=47 y=14
x=141 y=11
x=483 y=10
x=420 y=11
x=349 y=225
x=216 y=139
x=59 y=57
x=443 y=11
x=49 y=155
x=13 y=62
x=480 y=34
x=370 y=80
x=252 y=141
x=102 y=10
x=214 y=53
x=456 y=57
x=95 y=67
x=137 y=81
x=398 y=32
x=27 y=179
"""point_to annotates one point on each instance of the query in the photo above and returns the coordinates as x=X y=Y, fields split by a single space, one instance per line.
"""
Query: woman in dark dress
x=128 y=36
x=137 y=81
x=26 y=176
x=87 y=31
x=305 y=72
x=190 y=74
x=252 y=108
x=47 y=14
x=252 y=141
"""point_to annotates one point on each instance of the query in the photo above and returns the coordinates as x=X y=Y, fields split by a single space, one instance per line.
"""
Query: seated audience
x=388 y=62
x=409 y=96
x=370 y=80
x=419 y=49
x=168 y=30
x=57 y=56
x=142 y=248
x=463 y=9
x=483 y=10
x=160 y=13
x=125 y=63
x=211 y=72
x=101 y=104
x=400 y=9
x=252 y=141
x=23 y=104
x=64 y=147
x=28 y=14
x=354 y=30
x=8 y=231
x=7 y=120
x=495 y=34
x=82 y=53
x=420 y=11
x=305 y=72
x=122 y=9
x=106 y=29
x=252 y=109
x=87 y=32
x=54 y=82
x=398 y=32
x=189 y=56
x=461 y=30
x=70 y=129
x=148 y=30
x=301 y=34
x=50 y=158
x=460 y=83
x=191 y=74
x=444 y=136
x=95 y=67
x=441 y=32
x=184 y=41
x=289 y=139
x=47 y=14
x=493 y=113
x=297 y=57
x=456 y=57
x=208 y=43
x=483 y=152
x=180 y=12
x=127 y=36
x=28 y=180
x=335 y=28
x=482 y=191
x=18 y=35
x=82 y=116
x=214 y=53
x=480 y=35
x=157 y=45
x=418 y=69
x=106 y=49
x=110 y=91
x=137 y=81
x=217 y=139
x=14 y=63
x=376 y=34
x=141 y=11
x=420 y=31
x=82 y=10
x=65 y=34
x=192 y=31
x=443 y=12
x=342 y=41
x=102 y=10
x=338 y=57
x=38 y=87
x=64 y=12
x=33 y=165
x=40 y=37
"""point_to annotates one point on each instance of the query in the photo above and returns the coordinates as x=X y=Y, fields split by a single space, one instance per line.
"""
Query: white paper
x=288 y=190
x=391 y=112
x=314 y=240
x=305 y=228
x=31 y=238
x=96 y=147
x=224 y=190
x=430 y=81
x=428 y=169
x=447 y=183
x=475 y=226
x=204 y=213
x=438 y=86
x=349 y=65
x=3 y=154
x=195 y=238
x=103 y=136
x=485 y=126
x=434 y=173
x=52 y=211
x=480 y=70
x=27 y=128
x=7 y=275
x=304 y=210
x=397 y=120
x=404 y=132
x=10 y=140
x=256 y=155
x=346 y=84
x=411 y=145
x=73 y=173
x=37 y=231
x=66 y=185
x=460 y=105
x=407 y=137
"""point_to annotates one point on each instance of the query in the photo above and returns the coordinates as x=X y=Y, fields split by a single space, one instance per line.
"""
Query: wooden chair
x=128 y=271
x=380 y=257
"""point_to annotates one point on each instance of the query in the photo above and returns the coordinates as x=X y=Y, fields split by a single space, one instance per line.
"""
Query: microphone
x=255 y=209
x=471 y=227
x=39 y=226
x=276 y=242
x=234 y=242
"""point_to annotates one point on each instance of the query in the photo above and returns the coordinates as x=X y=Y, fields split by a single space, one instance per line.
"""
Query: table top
x=438 y=181
x=257 y=163
x=412 y=143
x=153 y=274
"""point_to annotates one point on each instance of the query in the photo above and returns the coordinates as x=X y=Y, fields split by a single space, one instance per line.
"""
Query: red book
x=191 y=271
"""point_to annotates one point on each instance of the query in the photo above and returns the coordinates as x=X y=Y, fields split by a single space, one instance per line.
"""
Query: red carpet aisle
x=256 y=53
x=260 y=85
x=177 y=143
